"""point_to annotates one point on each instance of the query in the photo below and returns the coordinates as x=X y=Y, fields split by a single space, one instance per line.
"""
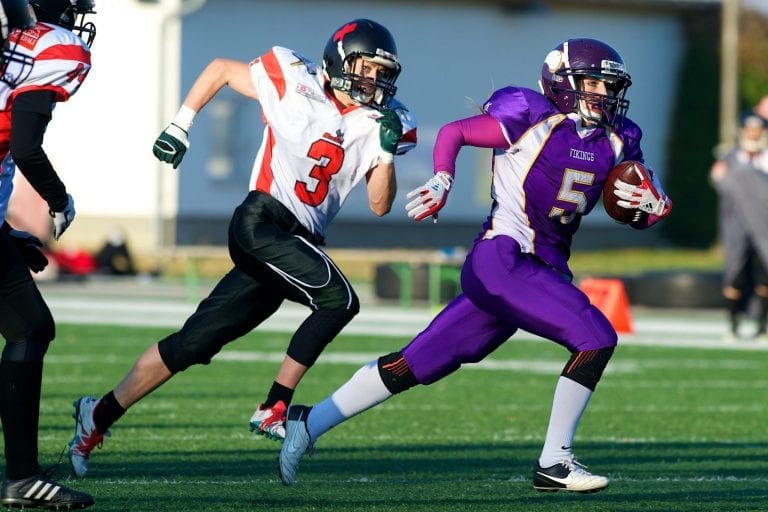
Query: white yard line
x=683 y=330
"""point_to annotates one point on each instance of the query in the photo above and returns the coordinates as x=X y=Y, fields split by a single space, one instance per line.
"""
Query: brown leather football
x=628 y=171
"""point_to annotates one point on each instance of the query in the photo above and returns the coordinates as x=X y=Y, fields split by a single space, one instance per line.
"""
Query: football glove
x=390 y=131
x=430 y=197
x=171 y=145
x=30 y=248
x=648 y=196
x=62 y=219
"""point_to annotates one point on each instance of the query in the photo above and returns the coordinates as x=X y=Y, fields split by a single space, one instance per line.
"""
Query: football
x=628 y=171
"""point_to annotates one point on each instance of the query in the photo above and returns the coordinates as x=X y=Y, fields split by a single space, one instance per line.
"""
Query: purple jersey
x=548 y=174
x=551 y=174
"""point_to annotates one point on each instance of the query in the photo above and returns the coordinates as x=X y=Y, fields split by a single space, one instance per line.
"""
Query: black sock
x=20 y=384
x=762 y=318
x=278 y=392
x=734 y=307
x=107 y=412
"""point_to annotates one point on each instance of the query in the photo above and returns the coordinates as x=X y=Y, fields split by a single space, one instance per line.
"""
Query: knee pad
x=395 y=373
x=586 y=367
x=336 y=298
x=317 y=331
x=25 y=351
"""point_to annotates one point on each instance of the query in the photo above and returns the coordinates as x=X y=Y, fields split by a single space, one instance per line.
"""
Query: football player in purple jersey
x=552 y=152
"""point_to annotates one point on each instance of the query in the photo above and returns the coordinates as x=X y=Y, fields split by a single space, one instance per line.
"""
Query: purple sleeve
x=631 y=134
x=481 y=131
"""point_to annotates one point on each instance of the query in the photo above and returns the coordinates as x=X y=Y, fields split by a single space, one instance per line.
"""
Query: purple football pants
x=505 y=290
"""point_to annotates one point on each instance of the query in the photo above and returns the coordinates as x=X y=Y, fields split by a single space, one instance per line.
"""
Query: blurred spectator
x=741 y=180
x=761 y=109
x=114 y=258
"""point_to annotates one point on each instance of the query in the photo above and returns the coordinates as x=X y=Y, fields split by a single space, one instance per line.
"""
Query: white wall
x=101 y=139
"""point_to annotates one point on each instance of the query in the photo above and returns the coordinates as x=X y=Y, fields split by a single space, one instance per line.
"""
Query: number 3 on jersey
x=333 y=156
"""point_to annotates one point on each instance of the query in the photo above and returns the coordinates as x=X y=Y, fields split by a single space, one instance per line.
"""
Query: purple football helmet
x=572 y=61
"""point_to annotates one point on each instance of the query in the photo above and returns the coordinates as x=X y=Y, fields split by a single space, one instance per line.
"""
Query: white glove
x=648 y=196
x=430 y=197
x=62 y=219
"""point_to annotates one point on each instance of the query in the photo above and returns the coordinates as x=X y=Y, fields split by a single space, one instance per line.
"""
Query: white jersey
x=314 y=150
x=61 y=62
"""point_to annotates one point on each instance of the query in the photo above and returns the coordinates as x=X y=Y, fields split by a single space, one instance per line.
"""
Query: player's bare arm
x=217 y=74
x=172 y=144
x=382 y=187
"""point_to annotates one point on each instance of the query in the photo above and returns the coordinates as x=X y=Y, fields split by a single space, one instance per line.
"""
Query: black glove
x=30 y=248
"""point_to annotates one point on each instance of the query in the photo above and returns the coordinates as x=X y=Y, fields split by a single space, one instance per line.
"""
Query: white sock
x=364 y=390
x=568 y=404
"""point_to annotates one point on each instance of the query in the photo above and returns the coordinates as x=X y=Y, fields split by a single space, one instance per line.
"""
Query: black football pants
x=27 y=326
x=275 y=259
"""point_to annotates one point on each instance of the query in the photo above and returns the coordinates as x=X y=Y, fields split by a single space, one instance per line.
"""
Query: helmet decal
x=343 y=31
x=554 y=61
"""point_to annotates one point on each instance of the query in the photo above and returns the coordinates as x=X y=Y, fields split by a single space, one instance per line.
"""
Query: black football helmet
x=368 y=39
x=68 y=14
x=14 y=65
x=575 y=59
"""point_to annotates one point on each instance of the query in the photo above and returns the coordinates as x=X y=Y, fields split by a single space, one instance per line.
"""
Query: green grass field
x=675 y=429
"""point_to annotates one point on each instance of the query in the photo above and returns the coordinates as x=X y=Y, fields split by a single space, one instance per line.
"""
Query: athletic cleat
x=297 y=443
x=568 y=475
x=270 y=421
x=41 y=492
x=86 y=438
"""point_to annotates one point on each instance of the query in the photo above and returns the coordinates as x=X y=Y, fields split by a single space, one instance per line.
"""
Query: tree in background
x=695 y=124
x=694 y=133
x=753 y=57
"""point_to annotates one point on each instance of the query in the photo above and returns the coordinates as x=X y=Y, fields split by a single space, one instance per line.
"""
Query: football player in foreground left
x=27 y=98
x=327 y=129
x=552 y=154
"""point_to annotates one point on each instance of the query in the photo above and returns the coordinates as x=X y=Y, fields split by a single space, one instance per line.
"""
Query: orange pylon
x=610 y=297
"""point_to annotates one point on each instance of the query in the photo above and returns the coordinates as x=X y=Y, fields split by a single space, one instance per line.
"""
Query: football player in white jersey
x=65 y=63
x=30 y=89
x=327 y=128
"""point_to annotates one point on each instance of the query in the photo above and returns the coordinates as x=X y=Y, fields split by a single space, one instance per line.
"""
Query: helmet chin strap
x=587 y=115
